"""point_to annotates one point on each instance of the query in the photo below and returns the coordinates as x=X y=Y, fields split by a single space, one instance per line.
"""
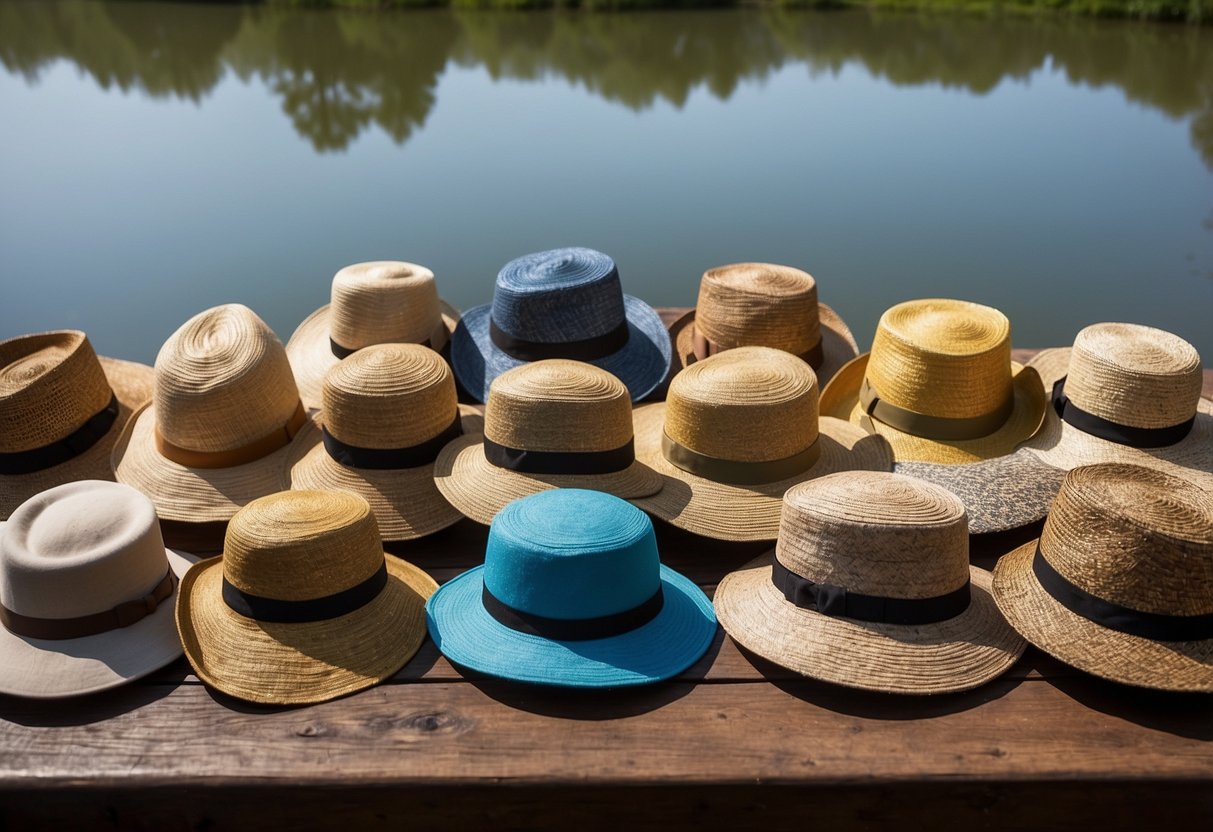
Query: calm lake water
x=156 y=159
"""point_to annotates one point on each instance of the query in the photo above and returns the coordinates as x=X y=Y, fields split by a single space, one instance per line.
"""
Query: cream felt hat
x=380 y=302
x=735 y=432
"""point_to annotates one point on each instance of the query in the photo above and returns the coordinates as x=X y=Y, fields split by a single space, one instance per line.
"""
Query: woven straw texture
x=1133 y=536
x=876 y=534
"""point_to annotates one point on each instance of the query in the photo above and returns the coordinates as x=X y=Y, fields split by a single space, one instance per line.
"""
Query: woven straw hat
x=61 y=411
x=388 y=410
x=304 y=605
x=763 y=305
x=870 y=586
x=86 y=591
x=1131 y=394
x=224 y=411
x=547 y=424
x=381 y=302
x=735 y=432
x=1120 y=583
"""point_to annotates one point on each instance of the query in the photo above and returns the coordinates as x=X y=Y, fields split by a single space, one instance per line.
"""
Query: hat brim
x=840 y=399
x=480 y=489
x=743 y=512
x=670 y=643
x=642 y=363
x=1081 y=643
x=311 y=354
x=958 y=654
x=133 y=384
x=296 y=664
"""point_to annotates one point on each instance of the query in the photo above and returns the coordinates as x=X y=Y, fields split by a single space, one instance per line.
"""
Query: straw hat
x=304 y=605
x=870 y=586
x=565 y=303
x=1120 y=583
x=388 y=410
x=735 y=432
x=763 y=305
x=380 y=302
x=61 y=410
x=572 y=593
x=224 y=411
x=1129 y=393
x=86 y=591
x=548 y=424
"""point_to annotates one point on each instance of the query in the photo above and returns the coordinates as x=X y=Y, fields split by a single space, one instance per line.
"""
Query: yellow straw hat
x=735 y=432
x=388 y=410
x=304 y=605
x=547 y=424
x=61 y=411
x=380 y=302
x=1120 y=583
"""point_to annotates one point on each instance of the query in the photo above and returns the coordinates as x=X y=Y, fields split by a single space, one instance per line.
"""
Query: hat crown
x=566 y=294
x=302 y=545
x=750 y=404
x=558 y=405
x=759 y=304
x=383 y=301
x=80 y=549
x=223 y=381
x=875 y=533
x=1134 y=536
x=50 y=385
x=570 y=553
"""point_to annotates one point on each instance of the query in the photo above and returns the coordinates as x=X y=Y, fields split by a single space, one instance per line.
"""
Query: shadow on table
x=88 y=708
x=1181 y=714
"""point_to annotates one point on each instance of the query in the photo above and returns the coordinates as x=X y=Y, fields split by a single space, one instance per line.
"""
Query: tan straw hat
x=870 y=586
x=735 y=432
x=380 y=302
x=763 y=305
x=388 y=410
x=547 y=424
x=304 y=605
x=1120 y=583
x=224 y=411
x=1126 y=393
x=61 y=411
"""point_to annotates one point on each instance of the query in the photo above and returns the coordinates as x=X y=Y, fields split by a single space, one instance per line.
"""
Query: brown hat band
x=62 y=450
x=736 y=472
x=1114 y=431
x=58 y=629
x=345 y=352
x=704 y=348
x=279 y=438
x=838 y=602
x=932 y=427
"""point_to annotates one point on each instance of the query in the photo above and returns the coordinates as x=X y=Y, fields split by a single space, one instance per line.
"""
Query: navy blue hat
x=563 y=303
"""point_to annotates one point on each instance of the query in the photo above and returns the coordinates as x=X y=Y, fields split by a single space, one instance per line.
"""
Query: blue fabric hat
x=564 y=303
x=572 y=593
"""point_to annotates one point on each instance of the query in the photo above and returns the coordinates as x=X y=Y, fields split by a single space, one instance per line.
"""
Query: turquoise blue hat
x=572 y=593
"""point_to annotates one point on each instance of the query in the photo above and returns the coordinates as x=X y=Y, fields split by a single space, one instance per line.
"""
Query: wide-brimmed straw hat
x=86 y=591
x=735 y=432
x=61 y=410
x=572 y=593
x=388 y=411
x=1120 y=583
x=548 y=424
x=224 y=411
x=565 y=303
x=763 y=305
x=1126 y=393
x=870 y=586
x=304 y=605
x=381 y=302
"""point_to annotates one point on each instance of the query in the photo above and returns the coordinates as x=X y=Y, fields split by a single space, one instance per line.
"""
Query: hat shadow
x=1188 y=715
x=588 y=704
x=90 y=708
x=986 y=549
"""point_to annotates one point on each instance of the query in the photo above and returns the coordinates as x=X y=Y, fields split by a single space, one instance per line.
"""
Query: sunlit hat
x=304 y=605
x=548 y=424
x=1120 y=583
x=763 y=305
x=870 y=586
x=61 y=411
x=86 y=591
x=380 y=302
x=572 y=593
x=735 y=432
x=388 y=410
x=565 y=303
